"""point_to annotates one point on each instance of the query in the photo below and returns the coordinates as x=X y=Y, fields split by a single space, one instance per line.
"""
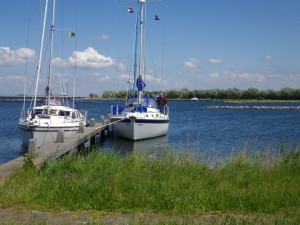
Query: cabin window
x=53 y=112
x=38 y=111
x=152 y=103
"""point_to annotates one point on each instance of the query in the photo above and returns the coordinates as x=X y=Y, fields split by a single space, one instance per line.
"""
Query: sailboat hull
x=44 y=128
x=44 y=135
x=138 y=129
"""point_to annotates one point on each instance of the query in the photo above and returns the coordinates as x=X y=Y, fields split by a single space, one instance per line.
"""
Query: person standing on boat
x=140 y=84
x=162 y=103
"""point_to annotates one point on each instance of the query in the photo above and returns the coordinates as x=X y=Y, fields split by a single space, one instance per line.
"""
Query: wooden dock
x=67 y=144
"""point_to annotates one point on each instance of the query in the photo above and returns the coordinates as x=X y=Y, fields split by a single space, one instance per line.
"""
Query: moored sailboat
x=42 y=122
x=141 y=117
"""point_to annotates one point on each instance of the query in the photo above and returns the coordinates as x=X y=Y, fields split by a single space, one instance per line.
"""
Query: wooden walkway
x=70 y=144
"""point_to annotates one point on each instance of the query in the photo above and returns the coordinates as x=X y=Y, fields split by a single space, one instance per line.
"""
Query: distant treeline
x=230 y=93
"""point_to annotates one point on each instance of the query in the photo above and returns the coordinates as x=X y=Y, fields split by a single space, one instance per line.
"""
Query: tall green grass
x=172 y=184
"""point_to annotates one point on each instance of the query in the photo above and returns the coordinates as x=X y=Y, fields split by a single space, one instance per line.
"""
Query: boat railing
x=116 y=110
x=84 y=113
x=167 y=110
x=23 y=113
x=164 y=110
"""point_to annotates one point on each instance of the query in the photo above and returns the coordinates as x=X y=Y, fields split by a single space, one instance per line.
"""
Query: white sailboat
x=140 y=117
x=42 y=122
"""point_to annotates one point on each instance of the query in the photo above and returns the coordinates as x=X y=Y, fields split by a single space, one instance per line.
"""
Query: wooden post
x=81 y=148
x=93 y=141
x=32 y=148
x=81 y=127
x=60 y=136
x=102 y=134
x=92 y=122
x=102 y=120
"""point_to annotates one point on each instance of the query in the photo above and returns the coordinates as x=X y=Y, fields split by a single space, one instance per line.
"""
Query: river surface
x=208 y=132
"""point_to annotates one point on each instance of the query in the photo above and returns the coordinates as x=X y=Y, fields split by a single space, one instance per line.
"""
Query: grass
x=174 y=184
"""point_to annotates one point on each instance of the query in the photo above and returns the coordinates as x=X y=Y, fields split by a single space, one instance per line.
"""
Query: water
x=211 y=132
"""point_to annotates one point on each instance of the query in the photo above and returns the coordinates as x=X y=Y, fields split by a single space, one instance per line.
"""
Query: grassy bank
x=173 y=184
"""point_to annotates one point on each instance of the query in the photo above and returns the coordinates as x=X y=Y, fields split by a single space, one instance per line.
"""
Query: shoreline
x=92 y=100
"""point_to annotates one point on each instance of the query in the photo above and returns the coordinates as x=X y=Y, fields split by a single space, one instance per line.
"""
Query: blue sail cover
x=140 y=84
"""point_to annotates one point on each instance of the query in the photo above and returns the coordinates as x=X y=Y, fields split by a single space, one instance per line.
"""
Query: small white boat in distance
x=194 y=99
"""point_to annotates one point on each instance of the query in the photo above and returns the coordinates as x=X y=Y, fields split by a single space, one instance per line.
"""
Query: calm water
x=209 y=131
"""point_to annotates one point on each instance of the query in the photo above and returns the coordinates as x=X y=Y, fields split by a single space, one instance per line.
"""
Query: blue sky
x=196 y=44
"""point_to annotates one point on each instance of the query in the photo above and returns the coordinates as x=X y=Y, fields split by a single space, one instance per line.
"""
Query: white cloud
x=121 y=67
x=104 y=78
x=100 y=77
x=194 y=60
x=214 y=75
x=245 y=76
x=147 y=78
x=269 y=58
x=215 y=61
x=17 y=57
x=96 y=75
x=91 y=59
x=191 y=63
x=104 y=37
x=154 y=79
x=58 y=62
x=12 y=78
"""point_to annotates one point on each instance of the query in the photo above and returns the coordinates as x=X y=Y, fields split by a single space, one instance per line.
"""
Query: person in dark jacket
x=162 y=103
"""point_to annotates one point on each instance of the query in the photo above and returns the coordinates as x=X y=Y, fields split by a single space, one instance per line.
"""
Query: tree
x=252 y=93
x=286 y=93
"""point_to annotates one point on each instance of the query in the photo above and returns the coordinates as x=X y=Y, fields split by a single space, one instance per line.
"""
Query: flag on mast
x=130 y=10
x=71 y=34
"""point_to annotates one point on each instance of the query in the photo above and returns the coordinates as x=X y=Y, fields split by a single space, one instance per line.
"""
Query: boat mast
x=141 y=39
x=40 y=55
x=51 y=54
x=142 y=24
x=135 y=52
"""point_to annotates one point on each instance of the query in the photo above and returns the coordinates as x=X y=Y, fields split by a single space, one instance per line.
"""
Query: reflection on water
x=153 y=147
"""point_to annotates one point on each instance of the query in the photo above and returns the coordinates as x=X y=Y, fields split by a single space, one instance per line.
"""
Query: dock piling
x=102 y=119
x=32 y=147
x=81 y=127
x=93 y=141
x=60 y=136
x=92 y=122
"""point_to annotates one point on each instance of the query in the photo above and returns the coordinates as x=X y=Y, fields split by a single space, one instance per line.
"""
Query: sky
x=196 y=44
